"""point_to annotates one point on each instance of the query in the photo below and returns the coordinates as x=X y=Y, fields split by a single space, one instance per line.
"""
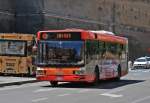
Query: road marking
x=85 y=90
x=137 y=74
x=141 y=99
x=61 y=95
x=39 y=99
x=116 y=90
x=111 y=95
x=146 y=71
x=44 y=90
x=143 y=71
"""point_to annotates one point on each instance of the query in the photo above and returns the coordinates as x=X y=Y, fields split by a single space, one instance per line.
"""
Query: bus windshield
x=12 y=48
x=61 y=53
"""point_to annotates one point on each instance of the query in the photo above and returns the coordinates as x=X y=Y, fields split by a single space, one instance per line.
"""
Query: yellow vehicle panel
x=14 y=36
x=11 y=62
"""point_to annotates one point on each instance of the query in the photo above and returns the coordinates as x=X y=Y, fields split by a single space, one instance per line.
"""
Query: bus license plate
x=59 y=78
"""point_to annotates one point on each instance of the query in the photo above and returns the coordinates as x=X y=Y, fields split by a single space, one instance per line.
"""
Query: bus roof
x=64 y=30
x=90 y=35
x=16 y=36
x=103 y=32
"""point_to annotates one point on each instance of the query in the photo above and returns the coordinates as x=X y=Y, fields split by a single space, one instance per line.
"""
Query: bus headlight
x=40 y=71
x=81 y=71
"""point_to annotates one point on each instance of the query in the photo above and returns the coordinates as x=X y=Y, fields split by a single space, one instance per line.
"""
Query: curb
x=18 y=83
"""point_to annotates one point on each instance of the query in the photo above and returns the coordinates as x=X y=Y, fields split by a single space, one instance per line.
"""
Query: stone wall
x=132 y=18
x=7 y=17
x=87 y=14
x=129 y=18
x=29 y=16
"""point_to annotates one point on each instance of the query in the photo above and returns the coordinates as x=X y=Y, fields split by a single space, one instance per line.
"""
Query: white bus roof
x=103 y=32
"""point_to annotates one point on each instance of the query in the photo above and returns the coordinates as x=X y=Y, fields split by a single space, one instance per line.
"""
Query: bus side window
x=88 y=52
x=114 y=48
x=123 y=47
x=102 y=48
x=120 y=48
x=108 y=47
x=87 y=47
x=92 y=49
x=96 y=47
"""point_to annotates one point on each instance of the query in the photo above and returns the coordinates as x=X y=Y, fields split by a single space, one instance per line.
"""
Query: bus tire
x=29 y=72
x=119 y=73
x=54 y=83
x=1 y=74
x=96 y=73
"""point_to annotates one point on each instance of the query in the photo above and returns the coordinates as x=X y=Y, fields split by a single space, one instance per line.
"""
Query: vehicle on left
x=16 y=57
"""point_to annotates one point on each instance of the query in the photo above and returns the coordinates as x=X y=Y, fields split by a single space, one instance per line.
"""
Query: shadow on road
x=110 y=84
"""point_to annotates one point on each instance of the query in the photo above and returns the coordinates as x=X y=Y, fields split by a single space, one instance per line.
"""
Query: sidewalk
x=8 y=80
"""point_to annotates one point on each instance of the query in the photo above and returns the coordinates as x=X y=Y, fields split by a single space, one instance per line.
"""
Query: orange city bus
x=74 y=55
x=16 y=54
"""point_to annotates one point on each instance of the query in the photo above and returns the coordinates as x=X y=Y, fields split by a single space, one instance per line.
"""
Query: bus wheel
x=96 y=79
x=1 y=74
x=29 y=72
x=54 y=83
x=119 y=73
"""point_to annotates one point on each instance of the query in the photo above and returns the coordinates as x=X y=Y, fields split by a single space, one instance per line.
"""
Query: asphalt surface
x=133 y=88
x=10 y=80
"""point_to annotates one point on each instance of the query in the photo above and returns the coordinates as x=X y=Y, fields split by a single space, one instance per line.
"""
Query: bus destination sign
x=61 y=36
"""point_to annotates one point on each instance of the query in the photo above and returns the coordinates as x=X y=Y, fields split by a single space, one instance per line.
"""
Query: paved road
x=133 y=88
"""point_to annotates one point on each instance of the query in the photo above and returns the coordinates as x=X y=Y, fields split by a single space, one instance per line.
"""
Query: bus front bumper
x=66 y=78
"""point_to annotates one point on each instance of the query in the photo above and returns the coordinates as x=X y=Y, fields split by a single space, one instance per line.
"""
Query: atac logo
x=44 y=36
